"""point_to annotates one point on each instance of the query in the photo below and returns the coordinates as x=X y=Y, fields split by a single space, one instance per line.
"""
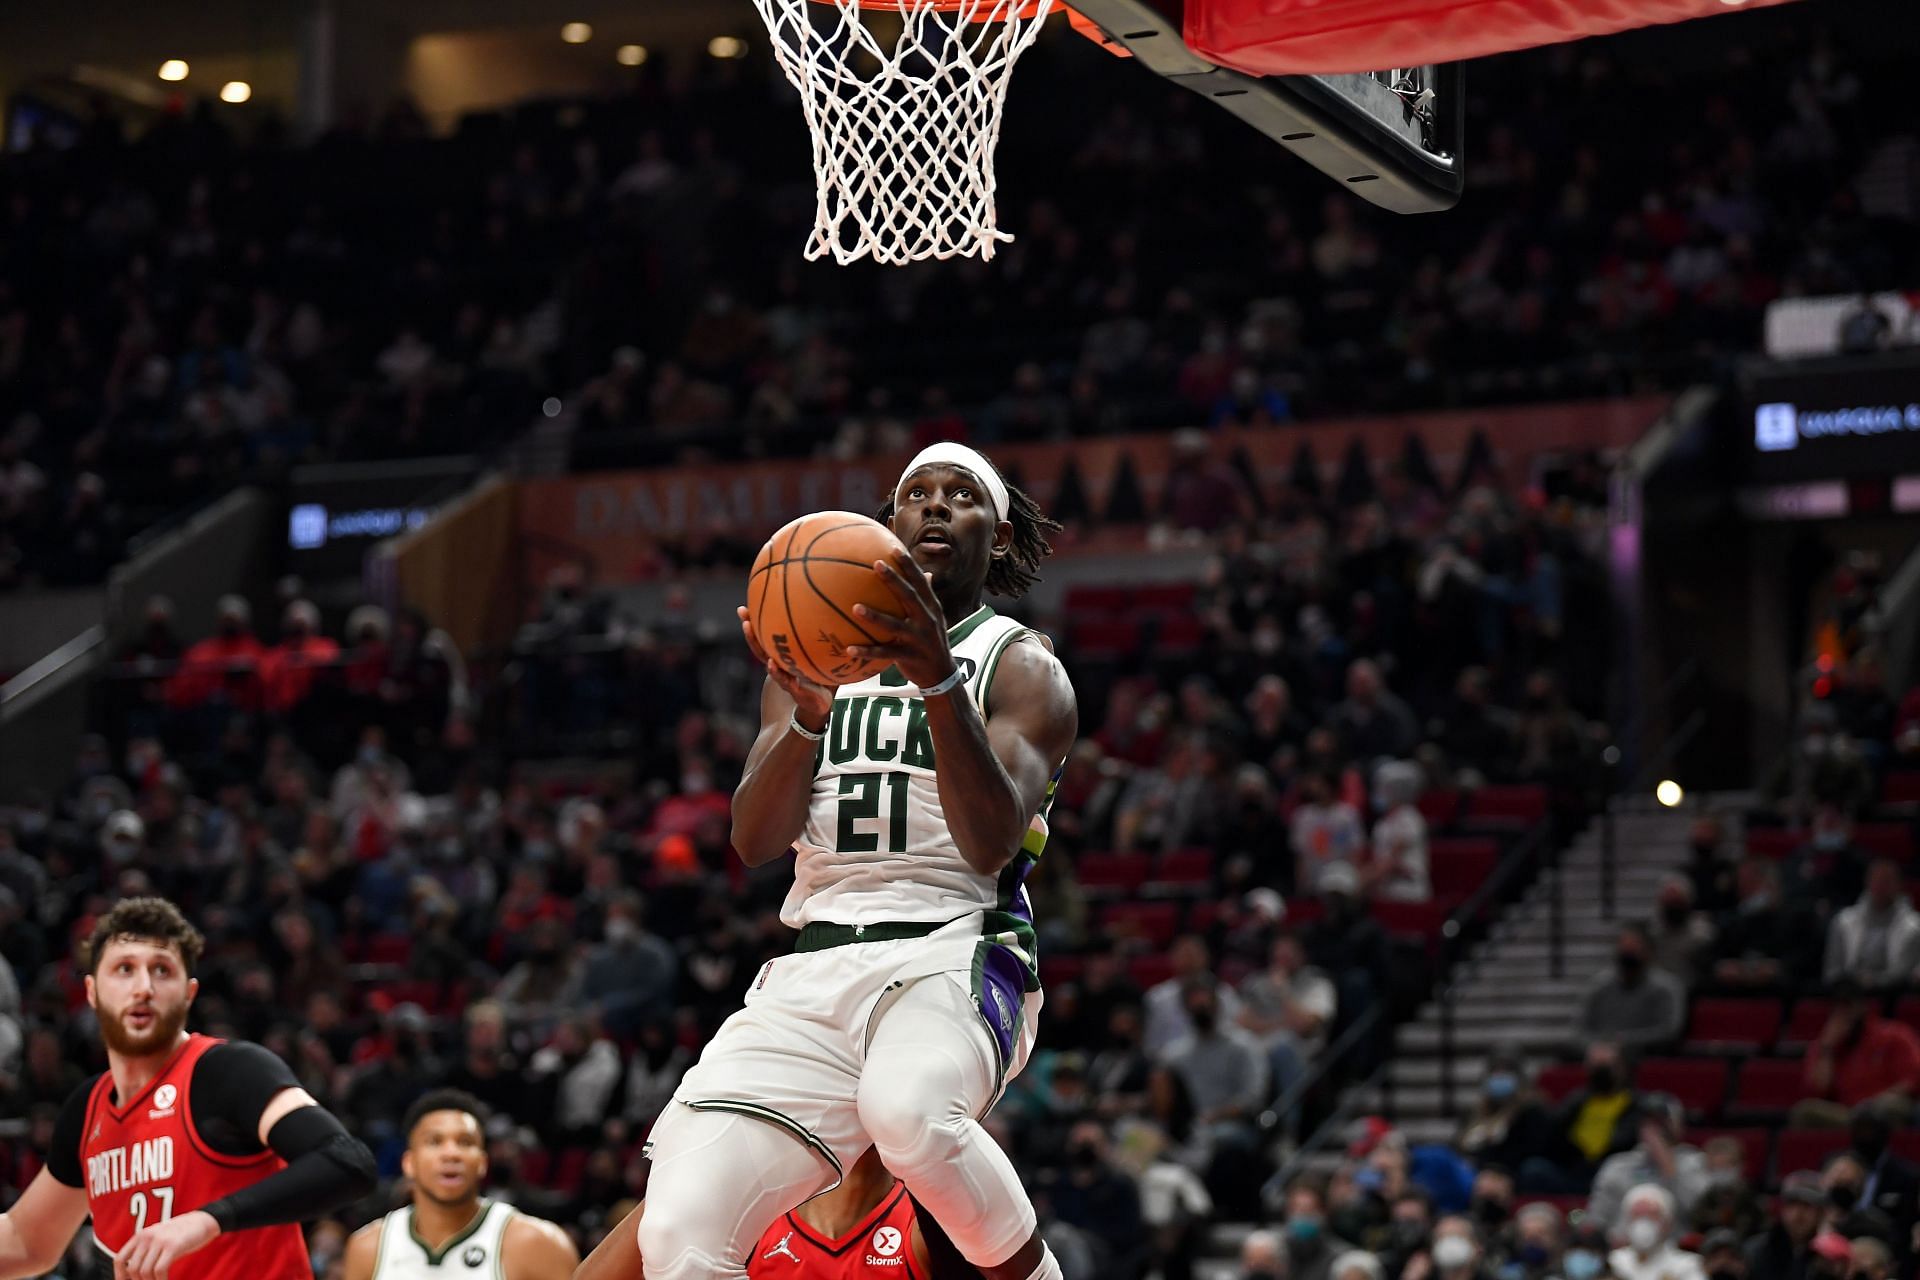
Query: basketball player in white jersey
x=447 y=1231
x=915 y=804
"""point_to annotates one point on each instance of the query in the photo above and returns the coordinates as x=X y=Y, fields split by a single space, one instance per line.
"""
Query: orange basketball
x=804 y=585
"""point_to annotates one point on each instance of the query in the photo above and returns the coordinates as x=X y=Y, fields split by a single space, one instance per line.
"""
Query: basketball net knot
x=904 y=101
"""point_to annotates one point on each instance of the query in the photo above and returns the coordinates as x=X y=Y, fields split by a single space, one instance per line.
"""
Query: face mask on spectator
x=1409 y=1235
x=622 y=931
x=1603 y=1079
x=1643 y=1234
x=1674 y=913
x=1304 y=1230
x=1450 y=1253
x=1581 y=1264
x=1489 y=1211
x=1534 y=1256
x=1830 y=840
x=1501 y=1085
x=1844 y=1196
x=1632 y=965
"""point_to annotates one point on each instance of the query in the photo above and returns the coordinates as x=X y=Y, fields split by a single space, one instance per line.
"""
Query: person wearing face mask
x=1633 y=1004
x=1848 y=1212
x=1311 y=1248
x=1647 y=1251
x=1890 y=1184
x=1585 y=1258
x=1263 y=1256
x=224 y=665
x=1660 y=1159
x=1590 y=1125
x=1859 y=1056
x=1455 y=1255
x=1357 y=1265
x=630 y=976
x=1490 y=1204
x=1829 y=867
x=1722 y=1257
x=288 y=670
x=1681 y=937
x=1876 y=941
x=1728 y=1203
x=1709 y=870
x=1539 y=1232
x=1769 y=939
x=1225 y=1076
x=1496 y=1129
x=1409 y=1229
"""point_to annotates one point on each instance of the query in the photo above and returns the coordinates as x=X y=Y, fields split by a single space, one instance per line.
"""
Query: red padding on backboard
x=1304 y=37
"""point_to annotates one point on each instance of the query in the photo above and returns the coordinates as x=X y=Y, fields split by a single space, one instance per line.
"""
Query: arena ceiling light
x=576 y=33
x=1669 y=793
x=235 y=91
x=630 y=55
x=727 y=47
x=173 y=69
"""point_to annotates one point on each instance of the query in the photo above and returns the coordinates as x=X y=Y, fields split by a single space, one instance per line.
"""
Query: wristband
x=795 y=725
x=947 y=685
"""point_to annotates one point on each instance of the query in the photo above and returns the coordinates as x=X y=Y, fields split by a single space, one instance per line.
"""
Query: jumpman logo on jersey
x=784 y=1247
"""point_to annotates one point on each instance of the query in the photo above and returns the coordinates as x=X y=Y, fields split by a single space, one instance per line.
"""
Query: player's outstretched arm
x=535 y=1249
x=618 y=1256
x=40 y=1226
x=770 y=805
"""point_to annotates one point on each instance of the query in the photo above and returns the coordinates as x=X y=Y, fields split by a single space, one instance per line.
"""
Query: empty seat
x=1907 y=1010
x=1734 y=1024
x=1798 y=1149
x=1901 y=788
x=1460 y=865
x=1412 y=919
x=1561 y=1079
x=1804 y=1026
x=1885 y=840
x=1060 y=970
x=1112 y=873
x=1184 y=870
x=1519 y=805
x=1906 y=1144
x=1153 y=923
x=1439 y=807
x=1773 y=842
x=1150 y=971
x=1753 y=1148
x=1098 y=640
x=1769 y=1084
x=1699 y=1083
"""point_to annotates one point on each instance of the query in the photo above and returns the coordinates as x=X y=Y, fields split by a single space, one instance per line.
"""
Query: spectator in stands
x=1648 y=1251
x=1224 y=1075
x=1634 y=1005
x=582 y=1068
x=1507 y=1120
x=1476 y=735
x=224 y=665
x=1826 y=768
x=1458 y=1253
x=1844 y=1178
x=1869 y=1259
x=1311 y=1248
x=1287 y=1007
x=1659 y=1159
x=1348 y=945
x=1723 y=1255
x=1728 y=1203
x=1357 y=1265
x=1785 y=1250
x=1592 y=1124
x=1767 y=941
x=547 y=981
x=1876 y=941
x=1829 y=868
x=1263 y=1256
x=1539 y=1236
x=1100 y=1200
x=288 y=669
x=1586 y=1256
x=1681 y=938
x=1325 y=831
x=1859 y=1057
x=629 y=977
x=1372 y=721
x=1396 y=867
x=1711 y=872
x=1891 y=1183
x=1167 y=1018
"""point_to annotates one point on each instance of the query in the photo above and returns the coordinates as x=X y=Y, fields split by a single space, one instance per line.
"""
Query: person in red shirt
x=1859 y=1056
x=867 y=1228
x=196 y=1157
x=288 y=670
x=229 y=660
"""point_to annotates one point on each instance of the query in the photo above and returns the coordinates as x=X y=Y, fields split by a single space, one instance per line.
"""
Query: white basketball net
x=904 y=126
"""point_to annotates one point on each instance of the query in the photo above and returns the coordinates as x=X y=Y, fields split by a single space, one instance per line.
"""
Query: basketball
x=804 y=585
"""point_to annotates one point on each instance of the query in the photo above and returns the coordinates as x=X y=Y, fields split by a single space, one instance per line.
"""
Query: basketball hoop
x=904 y=100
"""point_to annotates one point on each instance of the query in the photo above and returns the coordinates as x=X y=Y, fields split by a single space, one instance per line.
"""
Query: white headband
x=949 y=454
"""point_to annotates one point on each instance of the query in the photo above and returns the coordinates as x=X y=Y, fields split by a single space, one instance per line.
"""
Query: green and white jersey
x=472 y=1254
x=877 y=847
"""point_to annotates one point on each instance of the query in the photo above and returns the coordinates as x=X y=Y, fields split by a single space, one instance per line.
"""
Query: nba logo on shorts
x=307 y=527
x=1776 y=427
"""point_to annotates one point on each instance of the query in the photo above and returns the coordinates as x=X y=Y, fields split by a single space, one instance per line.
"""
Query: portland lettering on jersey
x=134 y=1165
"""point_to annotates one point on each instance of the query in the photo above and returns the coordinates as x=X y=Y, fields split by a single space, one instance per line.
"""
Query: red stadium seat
x=1202 y=914
x=1556 y=1082
x=1885 y=840
x=1748 y=1025
x=1901 y=788
x=1519 y=805
x=1183 y=871
x=1162 y=597
x=1412 y=919
x=1699 y=1083
x=1153 y=923
x=1056 y=970
x=1179 y=634
x=1799 y=1149
x=389 y=948
x=1906 y=1144
x=1439 y=807
x=1149 y=971
x=1087 y=601
x=1753 y=1148
x=1460 y=865
x=570 y=1169
x=1773 y=842
x=1098 y=639
x=1808 y=1017
x=1908 y=1011
x=1112 y=874
x=1769 y=1084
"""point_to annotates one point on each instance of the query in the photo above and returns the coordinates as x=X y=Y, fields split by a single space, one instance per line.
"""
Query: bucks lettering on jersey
x=472 y=1254
x=877 y=846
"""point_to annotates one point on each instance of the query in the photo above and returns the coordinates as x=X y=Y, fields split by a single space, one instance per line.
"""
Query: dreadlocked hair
x=1013 y=574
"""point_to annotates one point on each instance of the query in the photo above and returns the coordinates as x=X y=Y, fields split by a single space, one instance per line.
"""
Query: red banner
x=611 y=521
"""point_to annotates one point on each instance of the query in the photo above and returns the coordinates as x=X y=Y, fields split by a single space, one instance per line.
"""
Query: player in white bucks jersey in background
x=915 y=803
x=448 y=1231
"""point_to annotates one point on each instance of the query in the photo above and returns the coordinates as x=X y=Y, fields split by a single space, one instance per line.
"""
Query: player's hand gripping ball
x=803 y=589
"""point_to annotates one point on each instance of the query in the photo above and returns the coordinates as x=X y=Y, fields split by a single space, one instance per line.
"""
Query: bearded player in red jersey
x=197 y=1158
x=867 y=1228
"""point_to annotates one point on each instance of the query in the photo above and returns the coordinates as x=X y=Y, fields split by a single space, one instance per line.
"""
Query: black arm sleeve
x=327 y=1169
x=232 y=1085
x=63 y=1160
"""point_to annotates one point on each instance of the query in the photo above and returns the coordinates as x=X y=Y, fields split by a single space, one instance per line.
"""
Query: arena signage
x=1831 y=423
x=336 y=514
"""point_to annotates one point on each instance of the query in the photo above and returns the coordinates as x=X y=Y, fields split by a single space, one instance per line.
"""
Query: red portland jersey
x=881 y=1246
x=143 y=1162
